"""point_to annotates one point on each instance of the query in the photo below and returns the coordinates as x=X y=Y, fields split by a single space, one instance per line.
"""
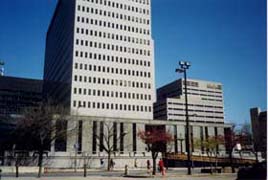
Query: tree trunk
x=85 y=164
x=256 y=156
x=231 y=161
x=109 y=162
x=85 y=170
x=154 y=166
x=216 y=160
x=40 y=163
x=154 y=156
x=210 y=163
x=17 y=170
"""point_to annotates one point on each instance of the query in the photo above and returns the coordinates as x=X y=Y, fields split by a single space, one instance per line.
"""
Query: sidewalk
x=184 y=177
x=99 y=174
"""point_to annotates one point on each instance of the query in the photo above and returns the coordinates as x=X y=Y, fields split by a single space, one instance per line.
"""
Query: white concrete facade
x=133 y=147
x=111 y=56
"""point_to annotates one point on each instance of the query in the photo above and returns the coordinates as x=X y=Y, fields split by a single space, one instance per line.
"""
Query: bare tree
x=107 y=139
x=245 y=136
x=211 y=145
x=39 y=127
x=156 y=140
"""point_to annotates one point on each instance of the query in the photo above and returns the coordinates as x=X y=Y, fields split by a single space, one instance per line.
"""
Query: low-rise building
x=19 y=93
x=259 y=130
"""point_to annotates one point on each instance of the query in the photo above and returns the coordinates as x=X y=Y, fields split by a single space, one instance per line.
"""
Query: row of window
x=206 y=95
x=197 y=105
x=123 y=6
x=116 y=26
x=112 y=48
x=108 y=35
x=113 y=15
x=115 y=70
x=200 y=90
x=114 y=82
x=212 y=117
x=116 y=59
x=111 y=106
x=195 y=110
x=113 y=94
x=207 y=99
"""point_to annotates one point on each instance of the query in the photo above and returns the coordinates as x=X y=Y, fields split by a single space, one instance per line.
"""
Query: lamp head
x=179 y=70
x=184 y=64
x=181 y=63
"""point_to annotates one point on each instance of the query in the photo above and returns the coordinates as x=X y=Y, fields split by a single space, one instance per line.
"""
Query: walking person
x=161 y=166
x=135 y=163
x=101 y=163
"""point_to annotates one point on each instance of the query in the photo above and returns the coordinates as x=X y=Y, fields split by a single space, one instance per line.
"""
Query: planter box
x=210 y=171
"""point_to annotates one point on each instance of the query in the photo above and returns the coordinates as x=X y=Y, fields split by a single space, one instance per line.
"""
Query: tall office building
x=205 y=101
x=100 y=58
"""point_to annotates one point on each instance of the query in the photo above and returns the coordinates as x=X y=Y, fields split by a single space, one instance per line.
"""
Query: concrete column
x=128 y=139
x=196 y=135
x=72 y=135
x=140 y=145
x=211 y=131
x=172 y=130
x=181 y=131
x=87 y=135
x=221 y=133
x=52 y=145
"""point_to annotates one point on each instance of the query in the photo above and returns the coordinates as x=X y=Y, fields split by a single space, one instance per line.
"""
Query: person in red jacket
x=161 y=166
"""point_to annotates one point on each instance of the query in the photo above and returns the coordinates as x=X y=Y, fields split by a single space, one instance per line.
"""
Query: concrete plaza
x=172 y=174
x=180 y=177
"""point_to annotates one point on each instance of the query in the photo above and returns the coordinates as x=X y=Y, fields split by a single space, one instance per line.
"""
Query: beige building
x=205 y=107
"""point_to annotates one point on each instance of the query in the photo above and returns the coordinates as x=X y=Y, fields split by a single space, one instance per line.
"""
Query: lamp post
x=183 y=69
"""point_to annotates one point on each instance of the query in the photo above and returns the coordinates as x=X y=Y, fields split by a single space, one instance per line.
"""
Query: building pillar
x=72 y=135
x=141 y=146
x=87 y=136
x=181 y=134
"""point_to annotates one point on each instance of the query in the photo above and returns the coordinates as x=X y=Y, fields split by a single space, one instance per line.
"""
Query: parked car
x=257 y=172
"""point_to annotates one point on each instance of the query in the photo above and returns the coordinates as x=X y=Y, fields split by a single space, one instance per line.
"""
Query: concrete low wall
x=120 y=162
x=67 y=163
x=22 y=169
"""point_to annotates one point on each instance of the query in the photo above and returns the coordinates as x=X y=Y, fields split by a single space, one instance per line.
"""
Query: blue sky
x=225 y=41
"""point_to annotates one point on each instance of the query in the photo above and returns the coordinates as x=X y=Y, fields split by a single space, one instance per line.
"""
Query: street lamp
x=183 y=69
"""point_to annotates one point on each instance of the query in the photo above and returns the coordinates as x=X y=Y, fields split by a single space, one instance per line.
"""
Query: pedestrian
x=148 y=166
x=101 y=163
x=161 y=167
x=135 y=163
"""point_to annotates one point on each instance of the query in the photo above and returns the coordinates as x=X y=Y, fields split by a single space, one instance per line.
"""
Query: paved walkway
x=194 y=177
x=173 y=174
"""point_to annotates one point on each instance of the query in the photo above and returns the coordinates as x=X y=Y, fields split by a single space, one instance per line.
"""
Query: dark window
x=94 y=140
x=80 y=134
x=114 y=136
x=61 y=133
x=101 y=136
x=134 y=132
x=121 y=137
